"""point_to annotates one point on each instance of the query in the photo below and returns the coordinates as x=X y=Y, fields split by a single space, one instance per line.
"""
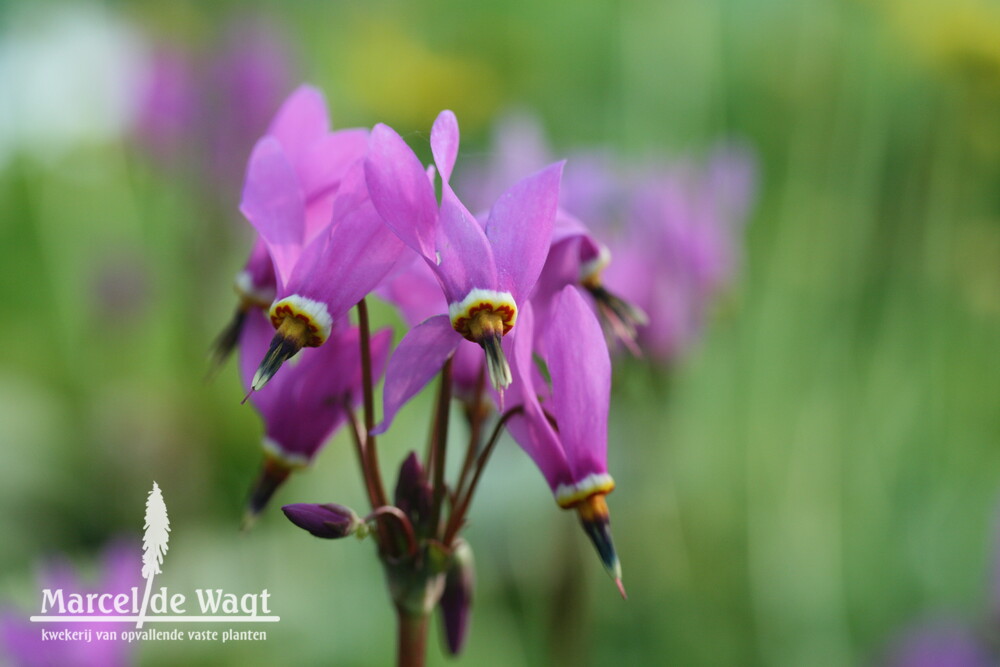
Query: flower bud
x=413 y=494
x=456 y=602
x=329 y=521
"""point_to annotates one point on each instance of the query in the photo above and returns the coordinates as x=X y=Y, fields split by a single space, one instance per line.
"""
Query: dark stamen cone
x=487 y=329
x=496 y=362
x=618 y=315
x=227 y=339
x=289 y=339
x=273 y=474
x=596 y=522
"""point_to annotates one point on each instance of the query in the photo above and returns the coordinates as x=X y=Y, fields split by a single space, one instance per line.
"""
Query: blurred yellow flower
x=957 y=33
x=404 y=82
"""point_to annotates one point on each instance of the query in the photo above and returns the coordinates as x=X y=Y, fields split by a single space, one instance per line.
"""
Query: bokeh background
x=814 y=477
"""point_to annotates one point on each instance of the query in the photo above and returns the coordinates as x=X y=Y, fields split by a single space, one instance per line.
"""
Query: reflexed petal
x=400 y=190
x=416 y=361
x=300 y=122
x=532 y=430
x=444 y=143
x=520 y=229
x=274 y=204
x=466 y=259
x=324 y=167
x=347 y=261
x=580 y=367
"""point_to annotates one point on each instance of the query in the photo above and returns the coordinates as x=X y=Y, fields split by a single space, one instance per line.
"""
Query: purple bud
x=329 y=521
x=456 y=601
x=413 y=494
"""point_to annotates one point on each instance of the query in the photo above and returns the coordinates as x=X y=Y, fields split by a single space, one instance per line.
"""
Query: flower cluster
x=496 y=306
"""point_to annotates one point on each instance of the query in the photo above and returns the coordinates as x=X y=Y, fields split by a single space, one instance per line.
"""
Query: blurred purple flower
x=21 y=641
x=939 y=643
x=247 y=79
x=663 y=239
x=206 y=109
x=167 y=106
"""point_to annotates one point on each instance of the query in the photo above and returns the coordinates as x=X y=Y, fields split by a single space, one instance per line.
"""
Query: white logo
x=162 y=606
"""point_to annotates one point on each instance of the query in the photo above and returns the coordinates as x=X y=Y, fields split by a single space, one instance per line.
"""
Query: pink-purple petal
x=349 y=259
x=580 y=368
x=444 y=143
x=464 y=254
x=400 y=190
x=531 y=430
x=418 y=358
x=274 y=204
x=519 y=229
x=300 y=122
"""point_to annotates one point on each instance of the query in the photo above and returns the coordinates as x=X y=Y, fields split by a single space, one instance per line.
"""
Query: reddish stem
x=462 y=508
x=369 y=405
x=440 y=448
x=411 y=638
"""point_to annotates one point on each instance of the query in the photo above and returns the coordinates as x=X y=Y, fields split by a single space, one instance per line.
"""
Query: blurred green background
x=820 y=471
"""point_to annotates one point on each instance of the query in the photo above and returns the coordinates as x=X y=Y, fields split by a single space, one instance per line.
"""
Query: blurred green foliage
x=824 y=467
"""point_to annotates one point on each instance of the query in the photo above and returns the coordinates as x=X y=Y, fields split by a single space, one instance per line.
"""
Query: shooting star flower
x=576 y=257
x=319 y=159
x=324 y=263
x=307 y=403
x=485 y=273
x=570 y=450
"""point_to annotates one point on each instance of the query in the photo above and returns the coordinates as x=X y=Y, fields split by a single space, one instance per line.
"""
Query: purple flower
x=319 y=159
x=484 y=272
x=416 y=292
x=329 y=521
x=21 y=640
x=167 y=105
x=208 y=108
x=939 y=643
x=668 y=233
x=566 y=434
x=576 y=257
x=303 y=406
x=305 y=194
x=245 y=80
